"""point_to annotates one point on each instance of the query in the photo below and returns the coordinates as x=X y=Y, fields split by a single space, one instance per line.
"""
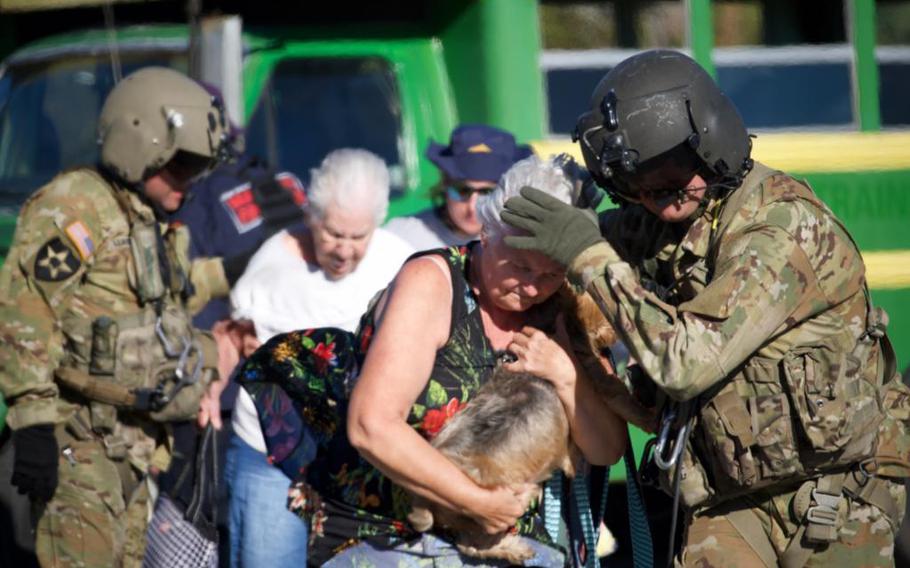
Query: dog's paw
x=421 y=519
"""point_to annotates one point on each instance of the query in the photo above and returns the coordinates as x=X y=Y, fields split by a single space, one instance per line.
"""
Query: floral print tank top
x=300 y=383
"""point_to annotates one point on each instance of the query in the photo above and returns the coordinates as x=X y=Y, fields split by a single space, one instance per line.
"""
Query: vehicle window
x=894 y=87
x=794 y=74
x=789 y=87
x=892 y=19
x=48 y=122
x=312 y=106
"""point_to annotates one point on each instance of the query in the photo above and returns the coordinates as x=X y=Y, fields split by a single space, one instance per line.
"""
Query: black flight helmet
x=651 y=103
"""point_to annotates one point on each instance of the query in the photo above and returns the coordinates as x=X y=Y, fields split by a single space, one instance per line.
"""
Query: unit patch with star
x=55 y=261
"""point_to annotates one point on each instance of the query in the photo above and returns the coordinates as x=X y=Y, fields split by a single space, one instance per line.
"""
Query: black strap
x=202 y=510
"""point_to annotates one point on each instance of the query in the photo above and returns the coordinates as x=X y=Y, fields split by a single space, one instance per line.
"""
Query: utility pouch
x=79 y=425
x=144 y=242
x=104 y=340
x=156 y=365
x=694 y=487
x=838 y=409
x=746 y=432
x=177 y=244
x=146 y=343
x=103 y=416
x=727 y=430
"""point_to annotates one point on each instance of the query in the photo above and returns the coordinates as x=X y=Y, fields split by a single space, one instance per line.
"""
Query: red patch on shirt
x=243 y=209
x=290 y=182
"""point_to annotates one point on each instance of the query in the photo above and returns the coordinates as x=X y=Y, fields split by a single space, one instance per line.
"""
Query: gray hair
x=349 y=177
x=558 y=176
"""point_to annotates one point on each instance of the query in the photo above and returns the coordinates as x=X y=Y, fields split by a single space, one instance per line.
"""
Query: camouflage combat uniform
x=80 y=295
x=756 y=318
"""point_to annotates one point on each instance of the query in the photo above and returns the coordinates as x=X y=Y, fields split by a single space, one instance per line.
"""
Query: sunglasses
x=680 y=193
x=463 y=193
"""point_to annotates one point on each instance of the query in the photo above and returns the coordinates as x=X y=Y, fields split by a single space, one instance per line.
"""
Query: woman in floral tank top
x=351 y=415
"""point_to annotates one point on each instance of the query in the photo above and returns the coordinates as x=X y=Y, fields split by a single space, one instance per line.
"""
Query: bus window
x=788 y=87
x=583 y=40
x=786 y=65
x=893 y=56
x=312 y=106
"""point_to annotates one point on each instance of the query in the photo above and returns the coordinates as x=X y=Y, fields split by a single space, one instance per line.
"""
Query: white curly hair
x=558 y=176
x=350 y=177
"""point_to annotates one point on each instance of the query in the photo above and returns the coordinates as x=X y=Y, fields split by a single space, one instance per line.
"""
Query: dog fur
x=513 y=431
x=592 y=336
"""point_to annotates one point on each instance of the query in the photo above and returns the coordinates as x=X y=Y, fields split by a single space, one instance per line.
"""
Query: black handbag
x=188 y=538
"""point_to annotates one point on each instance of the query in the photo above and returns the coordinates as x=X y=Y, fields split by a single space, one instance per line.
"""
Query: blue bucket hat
x=477 y=152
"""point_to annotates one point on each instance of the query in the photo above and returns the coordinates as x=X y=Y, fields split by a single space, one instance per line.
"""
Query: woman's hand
x=541 y=356
x=210 y=405
x=500 y=507
x=597 y=431
x=228 y=348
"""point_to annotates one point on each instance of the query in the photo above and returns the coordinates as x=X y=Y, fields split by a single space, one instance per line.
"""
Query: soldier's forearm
x=27 y=361
x=689 y=348
x=209 y=282
x=30 y=410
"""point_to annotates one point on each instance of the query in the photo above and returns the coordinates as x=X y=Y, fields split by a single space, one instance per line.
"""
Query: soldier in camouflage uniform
x=743 y=299
x=97 y=353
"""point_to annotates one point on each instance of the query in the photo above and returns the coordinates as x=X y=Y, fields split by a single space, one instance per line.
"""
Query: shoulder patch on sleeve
x=55 y=261
x=81 y=239
x=290 y=182
x=242 y=208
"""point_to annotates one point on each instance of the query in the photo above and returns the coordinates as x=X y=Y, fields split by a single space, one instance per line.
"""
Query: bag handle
x=205 y=487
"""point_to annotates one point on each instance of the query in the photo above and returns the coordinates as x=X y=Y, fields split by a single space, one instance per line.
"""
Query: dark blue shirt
x=225 y=221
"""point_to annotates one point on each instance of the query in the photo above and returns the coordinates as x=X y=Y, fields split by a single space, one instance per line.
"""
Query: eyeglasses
x=661 y=193
x=463 y=193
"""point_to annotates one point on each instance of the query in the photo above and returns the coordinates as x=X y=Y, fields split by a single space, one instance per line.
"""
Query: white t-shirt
x=281 y=292
x=426 y=231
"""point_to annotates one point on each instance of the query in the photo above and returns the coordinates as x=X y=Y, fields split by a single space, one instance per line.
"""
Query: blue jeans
x=263 y=532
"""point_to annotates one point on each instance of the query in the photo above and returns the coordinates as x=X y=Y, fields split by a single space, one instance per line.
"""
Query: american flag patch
x=81 y=239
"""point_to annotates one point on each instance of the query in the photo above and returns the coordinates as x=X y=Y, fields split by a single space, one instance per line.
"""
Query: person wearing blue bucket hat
x=470 y=166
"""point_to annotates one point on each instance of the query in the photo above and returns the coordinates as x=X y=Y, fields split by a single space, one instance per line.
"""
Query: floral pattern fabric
x=300 y=382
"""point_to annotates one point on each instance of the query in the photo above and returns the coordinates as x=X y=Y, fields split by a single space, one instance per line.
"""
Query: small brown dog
x=592 y=336
x=514 y=431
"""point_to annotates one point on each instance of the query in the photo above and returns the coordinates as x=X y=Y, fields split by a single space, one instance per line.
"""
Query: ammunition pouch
x=143 y=363
x=776 y=421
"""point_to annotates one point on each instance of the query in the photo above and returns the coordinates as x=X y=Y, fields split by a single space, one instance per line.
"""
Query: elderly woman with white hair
x=318 y=274
x=450 y=317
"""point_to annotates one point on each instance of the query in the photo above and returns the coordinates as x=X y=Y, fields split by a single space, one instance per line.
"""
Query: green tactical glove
x=559 y=230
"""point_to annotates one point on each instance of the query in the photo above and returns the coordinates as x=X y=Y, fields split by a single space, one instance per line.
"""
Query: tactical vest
x=819 y=409
x=148 y=363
